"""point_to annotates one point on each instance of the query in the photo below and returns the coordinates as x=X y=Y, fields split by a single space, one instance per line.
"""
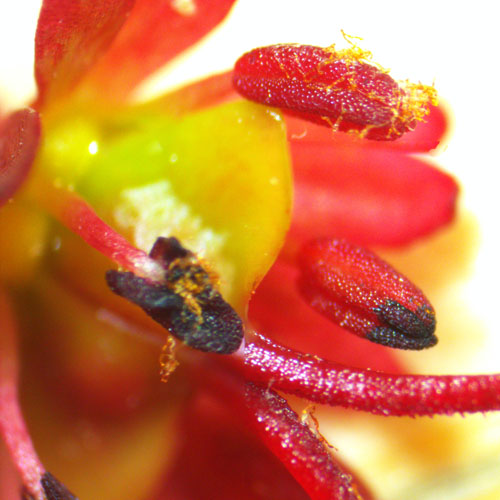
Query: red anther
x=19 y=137
x=292 y=322
x=334 y=88
x=362 y=293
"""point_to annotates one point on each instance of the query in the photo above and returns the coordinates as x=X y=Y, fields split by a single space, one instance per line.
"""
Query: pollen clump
x=354 y=53
x=168 y=362
x=410 y=102
x=188 y=278
x=416 y=100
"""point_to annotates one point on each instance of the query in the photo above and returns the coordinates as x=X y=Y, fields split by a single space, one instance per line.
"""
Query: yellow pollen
x=168 y=363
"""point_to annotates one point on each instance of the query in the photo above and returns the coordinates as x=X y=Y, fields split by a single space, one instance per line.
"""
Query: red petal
x=279 y=311
x=71 y=35
x=156 y=32
x=366 y=195
x=19 y=136
x=427 y=135
x=334 y=384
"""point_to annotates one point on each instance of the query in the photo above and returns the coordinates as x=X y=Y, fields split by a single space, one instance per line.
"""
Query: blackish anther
x=166 y=250
x=404 y=329
x=185 y=302
x=419 y=324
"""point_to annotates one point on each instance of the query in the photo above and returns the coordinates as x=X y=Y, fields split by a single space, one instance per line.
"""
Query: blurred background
x=450 y=45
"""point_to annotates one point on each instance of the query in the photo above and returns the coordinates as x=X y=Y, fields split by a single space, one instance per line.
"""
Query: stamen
x=184 y=301
x=407 y=329
x=362 y=293
x=335 y=88
x=168 y=363
x=304 y=455
x=326 y=382
x=78 y=216
x=38 y=484
x=12 y=426
x=54 y=489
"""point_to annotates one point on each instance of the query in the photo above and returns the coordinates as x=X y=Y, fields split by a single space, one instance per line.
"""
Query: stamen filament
x=78 y=216
x=12 y=425
x=303 y=454
x=326 y=382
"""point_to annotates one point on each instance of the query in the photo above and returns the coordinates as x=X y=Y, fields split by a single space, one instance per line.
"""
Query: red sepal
x=209 y=92
x=70 y=37
x=155 y=32
x=219 y=458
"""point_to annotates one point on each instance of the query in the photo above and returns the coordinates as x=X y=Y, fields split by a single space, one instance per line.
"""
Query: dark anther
x=166 y=250
x=186 y=302
x=402 y=328
x=54 y=489
x=398 y=340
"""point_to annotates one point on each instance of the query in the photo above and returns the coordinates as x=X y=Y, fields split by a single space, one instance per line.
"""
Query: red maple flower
x=190 y=195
